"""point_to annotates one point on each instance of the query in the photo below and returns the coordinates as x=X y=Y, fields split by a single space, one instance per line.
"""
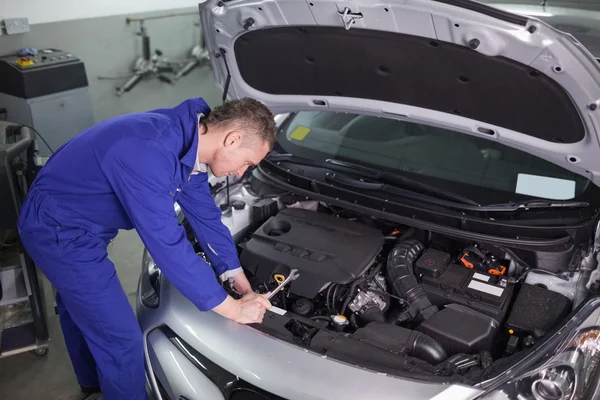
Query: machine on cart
x=23 y=320
x=43 y=91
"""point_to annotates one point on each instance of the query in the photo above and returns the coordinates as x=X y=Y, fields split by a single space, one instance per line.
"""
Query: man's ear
x=233 y=139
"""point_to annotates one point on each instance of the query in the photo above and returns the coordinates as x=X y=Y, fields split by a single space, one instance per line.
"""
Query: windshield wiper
x=378 y=177
x=535 y=204
x=399 y=180
x=373 y=180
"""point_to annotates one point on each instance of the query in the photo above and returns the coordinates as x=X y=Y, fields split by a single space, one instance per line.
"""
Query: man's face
x=234 y=157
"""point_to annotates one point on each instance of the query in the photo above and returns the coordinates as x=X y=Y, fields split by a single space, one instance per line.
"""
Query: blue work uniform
x=123 y=173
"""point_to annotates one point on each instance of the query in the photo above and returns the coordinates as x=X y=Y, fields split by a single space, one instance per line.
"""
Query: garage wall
x=64 y=10
x=108 y=47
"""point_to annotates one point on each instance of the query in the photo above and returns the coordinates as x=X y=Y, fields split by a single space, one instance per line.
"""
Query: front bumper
x=263 y=367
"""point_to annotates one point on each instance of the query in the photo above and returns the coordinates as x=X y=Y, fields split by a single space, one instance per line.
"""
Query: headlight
x=149 y=282
x=565 y=367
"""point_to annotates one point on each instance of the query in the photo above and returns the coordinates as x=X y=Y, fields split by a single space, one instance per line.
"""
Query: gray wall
x=108 y=47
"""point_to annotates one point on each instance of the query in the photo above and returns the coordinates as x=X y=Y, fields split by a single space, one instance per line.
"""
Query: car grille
x=232 y=387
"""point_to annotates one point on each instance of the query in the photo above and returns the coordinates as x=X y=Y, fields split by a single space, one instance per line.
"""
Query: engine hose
x=406 y=235
x=400 y=274
x=425 y=348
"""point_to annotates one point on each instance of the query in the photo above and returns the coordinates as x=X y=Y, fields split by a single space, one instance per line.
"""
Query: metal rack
x=22 y=297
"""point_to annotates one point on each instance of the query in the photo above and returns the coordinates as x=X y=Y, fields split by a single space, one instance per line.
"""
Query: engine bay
x=390 y=297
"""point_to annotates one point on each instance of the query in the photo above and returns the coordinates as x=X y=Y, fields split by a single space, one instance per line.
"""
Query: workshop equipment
x=198 y=56
x=148 y=66
x=47 y=90
x=23 y=322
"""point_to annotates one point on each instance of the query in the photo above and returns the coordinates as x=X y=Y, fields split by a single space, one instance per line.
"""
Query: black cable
x=543 y=271
x=37 y=135
x=227 y=188
x=381 y=292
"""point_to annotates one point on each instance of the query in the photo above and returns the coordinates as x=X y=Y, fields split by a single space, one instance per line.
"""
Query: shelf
x=14 y=286
x=18 y=339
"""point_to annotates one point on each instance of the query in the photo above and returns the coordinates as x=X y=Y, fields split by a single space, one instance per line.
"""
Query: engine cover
x=323 y=248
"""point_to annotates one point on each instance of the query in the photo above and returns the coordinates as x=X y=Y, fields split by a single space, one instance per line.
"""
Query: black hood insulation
x=412 y=70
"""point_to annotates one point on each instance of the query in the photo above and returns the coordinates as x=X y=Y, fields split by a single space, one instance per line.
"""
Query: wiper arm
x=375 y=175
x=344 y=180
x=535 y=204
x=400 y=180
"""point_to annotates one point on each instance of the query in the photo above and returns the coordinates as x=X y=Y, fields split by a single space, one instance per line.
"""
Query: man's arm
x=204 y=217
x=140 y=172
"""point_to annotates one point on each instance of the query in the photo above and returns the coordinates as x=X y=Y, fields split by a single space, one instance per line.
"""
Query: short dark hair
x=249 y=115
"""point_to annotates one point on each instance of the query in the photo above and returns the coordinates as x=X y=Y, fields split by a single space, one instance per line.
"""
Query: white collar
x=198 y=166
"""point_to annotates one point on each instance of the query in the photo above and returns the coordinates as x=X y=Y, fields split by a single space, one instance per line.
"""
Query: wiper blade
x=400 y=180
x=379 y=177
x=535 y=204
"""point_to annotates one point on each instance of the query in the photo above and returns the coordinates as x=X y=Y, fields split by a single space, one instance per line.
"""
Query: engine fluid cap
x=279 y=278
x=340 y=320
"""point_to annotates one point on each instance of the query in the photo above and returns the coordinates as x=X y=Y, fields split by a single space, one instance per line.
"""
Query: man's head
x=235 y=135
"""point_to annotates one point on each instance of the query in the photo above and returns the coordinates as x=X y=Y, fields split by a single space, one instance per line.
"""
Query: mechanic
x=124 y=173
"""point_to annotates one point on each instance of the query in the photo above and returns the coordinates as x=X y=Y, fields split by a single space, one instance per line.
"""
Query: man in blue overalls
x=125 y=173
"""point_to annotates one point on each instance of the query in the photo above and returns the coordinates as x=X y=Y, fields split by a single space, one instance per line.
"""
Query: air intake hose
x=413 y=343
x=400 y=274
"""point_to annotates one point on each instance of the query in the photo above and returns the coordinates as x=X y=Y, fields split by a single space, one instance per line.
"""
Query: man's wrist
x=229 y=308
x=230 y=273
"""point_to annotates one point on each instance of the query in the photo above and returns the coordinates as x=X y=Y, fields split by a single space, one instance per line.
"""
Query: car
x=436 y=185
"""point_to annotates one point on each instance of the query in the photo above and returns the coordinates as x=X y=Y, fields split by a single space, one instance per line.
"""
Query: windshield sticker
x=545 y=187
x=300 y=133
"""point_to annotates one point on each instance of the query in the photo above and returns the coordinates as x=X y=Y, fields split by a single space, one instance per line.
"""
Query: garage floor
x=26 y=376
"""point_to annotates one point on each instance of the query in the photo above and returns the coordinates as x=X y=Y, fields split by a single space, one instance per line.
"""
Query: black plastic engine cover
x=323 y=248
x=461 y=330
x=537 y=310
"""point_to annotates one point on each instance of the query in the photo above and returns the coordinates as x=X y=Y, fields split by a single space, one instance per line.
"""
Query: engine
x=323 y=248
x=389 y=290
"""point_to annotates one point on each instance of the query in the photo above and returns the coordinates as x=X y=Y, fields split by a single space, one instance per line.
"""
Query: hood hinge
x=349 y=18
x=222 y=53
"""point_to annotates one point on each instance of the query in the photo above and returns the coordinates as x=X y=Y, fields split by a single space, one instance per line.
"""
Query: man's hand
x=249 y=309
x=241 y=284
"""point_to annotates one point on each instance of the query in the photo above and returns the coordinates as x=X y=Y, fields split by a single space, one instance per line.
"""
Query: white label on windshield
x=545 y=187
x=484 y=287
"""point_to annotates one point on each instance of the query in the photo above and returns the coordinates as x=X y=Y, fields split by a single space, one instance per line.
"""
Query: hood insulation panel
x=411 y=70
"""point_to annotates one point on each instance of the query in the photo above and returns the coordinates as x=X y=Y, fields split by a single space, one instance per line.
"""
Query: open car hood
x=456 y=64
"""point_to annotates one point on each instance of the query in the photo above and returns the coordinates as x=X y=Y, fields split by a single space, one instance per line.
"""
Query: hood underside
x=453 y=63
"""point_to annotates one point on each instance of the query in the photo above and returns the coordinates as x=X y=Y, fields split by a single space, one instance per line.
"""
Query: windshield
x=476 y=168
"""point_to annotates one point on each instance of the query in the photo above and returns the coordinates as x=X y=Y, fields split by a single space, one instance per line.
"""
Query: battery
x=488 y=294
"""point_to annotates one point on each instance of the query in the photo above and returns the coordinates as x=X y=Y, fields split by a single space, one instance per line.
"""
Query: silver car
x=435 y=183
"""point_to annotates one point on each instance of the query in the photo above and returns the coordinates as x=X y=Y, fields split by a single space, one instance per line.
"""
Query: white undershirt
x=198 y=166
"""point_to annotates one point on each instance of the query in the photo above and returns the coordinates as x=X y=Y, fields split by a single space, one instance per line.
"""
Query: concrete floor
x=28 y=377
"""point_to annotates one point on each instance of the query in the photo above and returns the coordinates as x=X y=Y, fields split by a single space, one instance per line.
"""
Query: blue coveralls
x=123 y=173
